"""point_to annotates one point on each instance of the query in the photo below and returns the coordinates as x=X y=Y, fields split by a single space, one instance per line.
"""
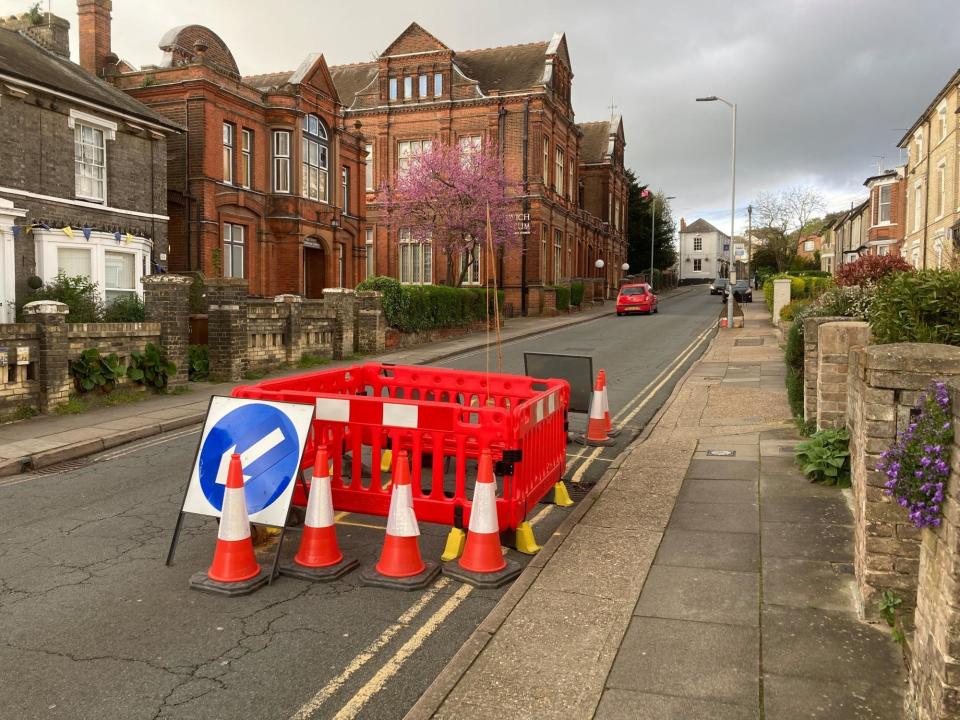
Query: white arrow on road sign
x=253 y=453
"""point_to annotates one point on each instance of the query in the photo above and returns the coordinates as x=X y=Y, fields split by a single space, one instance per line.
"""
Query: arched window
x=315 y=159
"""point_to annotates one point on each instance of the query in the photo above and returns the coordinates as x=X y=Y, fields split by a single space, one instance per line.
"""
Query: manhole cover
x=721 y=453
x=748 y=341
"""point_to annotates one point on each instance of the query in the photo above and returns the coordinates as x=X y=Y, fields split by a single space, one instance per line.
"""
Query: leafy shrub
x=798 y=288
x=870 y=269
x=93 y=370
x=128 y=308
x=794 y=382
x=918 y=464
x=414 y=308
x=853 y=301
x=78 y=293
x=920 y=306
x=793 y=352
x=563 y=297
x=825 y=457
x=151 y=367
x=576 y=293
x=789 y=311
x=198 y=357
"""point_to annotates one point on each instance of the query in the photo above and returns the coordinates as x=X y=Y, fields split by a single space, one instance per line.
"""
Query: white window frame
x=341 y=254
x=808 y=245
x=415 y=261
x=546 y=161
x=473 y=273
x=47 y=243
x=544 y=234
x=881 y=205
x=246 y=157
x=314 y=136
x=942 y=122
x=917 y=206
x=422 y=85
x=369 y=169
x=470 y=146
x=229 y=151
x=557 y=254
x=559 y=158
x=408 y=150
x=918 y=142
x=393 y=88
x=371 y=261
x=78 y=121
x=437 y=84
x=698 y=244
x=345 y=188
x=407 y=87
x=127 y=291
x=230 y=231
x=941 y=188
x=281 y=161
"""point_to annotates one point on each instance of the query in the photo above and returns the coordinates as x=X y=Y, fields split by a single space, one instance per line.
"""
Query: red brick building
x=514 y=98
x=267 y=182
x=888 y=210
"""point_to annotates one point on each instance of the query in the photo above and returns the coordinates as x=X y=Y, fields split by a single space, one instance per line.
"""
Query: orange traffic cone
x=482 y=563
x=234 y=570
x=319 y=557
x=596 y=425
x=400 y=564
x=608 y=424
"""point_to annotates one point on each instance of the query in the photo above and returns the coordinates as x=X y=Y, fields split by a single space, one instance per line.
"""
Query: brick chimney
x=94 y=34
x=683 y=224
x=45 y=29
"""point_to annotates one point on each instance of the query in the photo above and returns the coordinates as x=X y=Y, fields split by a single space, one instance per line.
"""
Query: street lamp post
x=733 y=198
x=653 y=229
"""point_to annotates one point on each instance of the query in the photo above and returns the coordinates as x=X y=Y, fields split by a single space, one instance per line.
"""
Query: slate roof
x=267 y=81
x=351 y=79
x=22 y=58
x=702 y=226
x=595 y=141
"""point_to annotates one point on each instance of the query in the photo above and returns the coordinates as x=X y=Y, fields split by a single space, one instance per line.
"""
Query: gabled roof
x=594 y=146
x=506 y=69
x=414 y=40
x=21 y=58
x=954 y=80
x=701 y=226
x=313 y=70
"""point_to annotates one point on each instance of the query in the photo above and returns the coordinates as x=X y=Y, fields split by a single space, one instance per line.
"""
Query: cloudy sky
x=822 y=86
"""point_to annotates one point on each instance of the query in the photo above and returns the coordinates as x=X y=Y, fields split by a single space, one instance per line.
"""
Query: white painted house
x=703 y=252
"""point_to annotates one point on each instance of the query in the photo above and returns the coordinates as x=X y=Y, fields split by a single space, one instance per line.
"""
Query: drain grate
x=750 y=341
x=721 y=453
x=578 y=491
x=60 y=467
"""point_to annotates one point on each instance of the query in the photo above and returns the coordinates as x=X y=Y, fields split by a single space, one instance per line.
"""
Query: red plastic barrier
x=443 y=418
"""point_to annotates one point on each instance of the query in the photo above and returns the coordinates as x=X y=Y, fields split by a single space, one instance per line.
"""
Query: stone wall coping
x=911 y=357
x=45 y=307
x=288 y=299
x=167 y=279
x=781 y=281
x=227 y=282
x=820 y=320
x=338 y=291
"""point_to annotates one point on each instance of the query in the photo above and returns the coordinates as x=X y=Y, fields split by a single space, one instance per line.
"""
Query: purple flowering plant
x=918 y=464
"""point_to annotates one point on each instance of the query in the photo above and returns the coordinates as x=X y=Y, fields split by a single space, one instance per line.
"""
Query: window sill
x=83 y=198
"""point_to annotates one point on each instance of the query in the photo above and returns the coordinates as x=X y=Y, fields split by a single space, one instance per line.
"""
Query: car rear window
x=633 y=291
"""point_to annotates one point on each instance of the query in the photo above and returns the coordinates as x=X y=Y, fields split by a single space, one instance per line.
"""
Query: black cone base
x=370 y=576
x=319 y=574
x=483 y=580
x=202 y=582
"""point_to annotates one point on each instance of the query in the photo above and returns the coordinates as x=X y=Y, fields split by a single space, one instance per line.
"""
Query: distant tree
x=639 y=208
x=443 y=196
x=782 y=218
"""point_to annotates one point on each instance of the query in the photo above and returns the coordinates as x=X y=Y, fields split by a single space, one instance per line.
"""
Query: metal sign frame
x=581 y=387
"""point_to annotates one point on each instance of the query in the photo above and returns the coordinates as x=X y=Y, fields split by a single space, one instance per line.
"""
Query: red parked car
x=637 y=298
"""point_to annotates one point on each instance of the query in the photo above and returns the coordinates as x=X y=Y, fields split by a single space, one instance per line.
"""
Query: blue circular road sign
x=270 y=453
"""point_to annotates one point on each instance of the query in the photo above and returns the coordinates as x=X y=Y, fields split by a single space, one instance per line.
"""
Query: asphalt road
x=93 y=625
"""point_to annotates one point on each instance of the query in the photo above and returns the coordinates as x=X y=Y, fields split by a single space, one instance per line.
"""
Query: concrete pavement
x=689 y=584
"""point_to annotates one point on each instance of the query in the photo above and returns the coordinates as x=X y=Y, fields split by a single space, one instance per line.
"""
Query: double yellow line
x=639 y=401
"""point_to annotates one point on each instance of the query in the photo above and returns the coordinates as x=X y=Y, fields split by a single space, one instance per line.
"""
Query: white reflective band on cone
x=596 y=405
x=234 y=523
x=483 y=513
x=319 y=504
x=402 y=521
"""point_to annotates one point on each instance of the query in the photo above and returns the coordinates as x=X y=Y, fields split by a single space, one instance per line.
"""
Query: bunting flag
x=43 y=225
x=16 y=232
x=127 y=239
x=116 y=236
x=68 y=231
x=86 y=234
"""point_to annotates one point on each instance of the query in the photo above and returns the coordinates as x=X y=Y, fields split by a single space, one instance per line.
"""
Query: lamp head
x=709 y=98
x=599 y=263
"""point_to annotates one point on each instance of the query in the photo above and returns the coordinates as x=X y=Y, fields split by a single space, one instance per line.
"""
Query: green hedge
x=921 y=306
x=563 y=297
x=790 y=310
x=576 y=293
x=414 y=308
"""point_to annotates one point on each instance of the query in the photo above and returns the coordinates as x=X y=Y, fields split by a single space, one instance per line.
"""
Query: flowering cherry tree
x=441 y=195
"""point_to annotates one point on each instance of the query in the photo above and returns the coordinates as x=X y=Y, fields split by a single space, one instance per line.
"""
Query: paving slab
x=723 y=469
x=717 y=596
x=630 y=509
x=718 y=551
x=718 y=491
x=716 y=517
x=825 y=645
x=794 y=486
x=688 y=659
x=808 y=584
x=804 y=541
x=656 y=481
x=817 y=510
x=803 y=698
x=619 y=704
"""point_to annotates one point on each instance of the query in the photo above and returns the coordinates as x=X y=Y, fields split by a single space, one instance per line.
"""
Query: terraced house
x=932 y=236
x=516 y=99
x=266 y=183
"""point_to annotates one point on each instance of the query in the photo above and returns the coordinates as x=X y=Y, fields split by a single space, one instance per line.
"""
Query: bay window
x=281 y=161
x=119 y=275
x=314 y=160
